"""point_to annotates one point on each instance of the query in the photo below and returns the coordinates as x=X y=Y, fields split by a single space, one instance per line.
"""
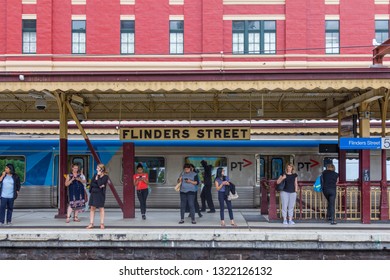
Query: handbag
x=280 y=186
x=232 y=196
x=177 y=187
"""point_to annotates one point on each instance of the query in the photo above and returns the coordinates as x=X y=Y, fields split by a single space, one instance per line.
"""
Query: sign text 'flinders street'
x=191 y=133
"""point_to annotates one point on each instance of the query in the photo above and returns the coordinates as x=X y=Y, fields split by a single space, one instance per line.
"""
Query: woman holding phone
x=141 y=181
x=98 y=195
x=189 y=181
x=76 y=195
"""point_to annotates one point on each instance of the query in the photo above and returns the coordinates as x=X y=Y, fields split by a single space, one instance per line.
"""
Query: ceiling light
x=157 y=95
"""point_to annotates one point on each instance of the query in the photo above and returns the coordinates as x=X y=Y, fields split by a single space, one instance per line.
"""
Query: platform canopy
x=195 y=95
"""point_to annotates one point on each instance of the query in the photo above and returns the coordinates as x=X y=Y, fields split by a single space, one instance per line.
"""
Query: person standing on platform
x=76 y=193
x=205 y=194
x=328 y=182
x=289 y=194
x=196 y=203
x=221 y=183
x=188 y=182
x=98 y=195
x=9 y=190
x=141 y=181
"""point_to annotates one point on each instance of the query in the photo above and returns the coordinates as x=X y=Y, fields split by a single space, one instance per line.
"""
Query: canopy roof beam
x=353 y=103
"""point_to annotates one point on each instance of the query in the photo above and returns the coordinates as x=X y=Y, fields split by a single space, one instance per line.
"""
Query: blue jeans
x=6 y=203
x=187 y=198
x=222 y=199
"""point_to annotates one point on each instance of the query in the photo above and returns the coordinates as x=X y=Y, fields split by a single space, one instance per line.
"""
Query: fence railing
x=311 y=205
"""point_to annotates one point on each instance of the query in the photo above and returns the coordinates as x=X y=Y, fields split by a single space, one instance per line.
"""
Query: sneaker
x=9 y=224
x=285 y=222
x=291 y=222
x=181 y=222
x=211 y=211
x=143 y=217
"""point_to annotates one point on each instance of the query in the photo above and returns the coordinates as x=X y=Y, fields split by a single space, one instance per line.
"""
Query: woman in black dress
x=98 y=195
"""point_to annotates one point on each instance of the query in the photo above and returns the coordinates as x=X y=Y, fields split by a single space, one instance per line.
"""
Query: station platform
x=37 y=234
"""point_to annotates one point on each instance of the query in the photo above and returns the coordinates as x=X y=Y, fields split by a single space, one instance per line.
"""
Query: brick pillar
x=128 y=185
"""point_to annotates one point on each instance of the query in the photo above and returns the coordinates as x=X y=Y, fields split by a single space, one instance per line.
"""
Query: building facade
x=150 y=35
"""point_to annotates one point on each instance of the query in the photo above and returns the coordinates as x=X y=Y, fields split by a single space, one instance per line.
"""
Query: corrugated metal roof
x=194 y=95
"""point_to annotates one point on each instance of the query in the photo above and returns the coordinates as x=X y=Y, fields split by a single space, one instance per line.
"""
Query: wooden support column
x=63 y=164
x=342 y=166
x=342 y=153
x=364 y=160
x=384 y=205
x=94 y=154
x=128 y=184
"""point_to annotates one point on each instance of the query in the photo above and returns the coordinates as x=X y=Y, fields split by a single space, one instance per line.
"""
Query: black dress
x=98 y=195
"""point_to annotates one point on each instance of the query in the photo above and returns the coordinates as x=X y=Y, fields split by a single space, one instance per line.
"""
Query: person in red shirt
x=141 y=181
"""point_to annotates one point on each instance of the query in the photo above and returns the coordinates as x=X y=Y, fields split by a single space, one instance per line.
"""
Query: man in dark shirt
x=205 y=195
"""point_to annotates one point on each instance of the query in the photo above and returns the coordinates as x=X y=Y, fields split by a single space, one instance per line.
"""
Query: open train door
x=269 y=167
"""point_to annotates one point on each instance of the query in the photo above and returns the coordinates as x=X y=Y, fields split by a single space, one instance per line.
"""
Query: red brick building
x=130 y=35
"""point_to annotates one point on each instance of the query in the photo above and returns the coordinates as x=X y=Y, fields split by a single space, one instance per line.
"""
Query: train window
x=352 y=168
x=260 y=169
x=215 y=162
x=154 y=166
x=277 y=167
x=19 y=164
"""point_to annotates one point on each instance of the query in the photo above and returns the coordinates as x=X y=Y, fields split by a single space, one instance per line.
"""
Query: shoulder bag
x=317 y=187
x=177 y=187
x=280 y=186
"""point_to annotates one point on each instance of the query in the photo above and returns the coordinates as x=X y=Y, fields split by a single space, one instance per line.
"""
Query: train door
x=270 y=167
x=84 y=163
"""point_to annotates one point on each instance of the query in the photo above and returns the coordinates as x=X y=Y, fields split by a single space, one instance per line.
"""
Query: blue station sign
x=360 y=143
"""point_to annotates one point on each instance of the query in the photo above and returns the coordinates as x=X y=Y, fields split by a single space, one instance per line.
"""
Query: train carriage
x=246 y=162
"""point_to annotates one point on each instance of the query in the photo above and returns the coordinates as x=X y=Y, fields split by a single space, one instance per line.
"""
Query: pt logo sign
x=307 y=165
x=240 y=164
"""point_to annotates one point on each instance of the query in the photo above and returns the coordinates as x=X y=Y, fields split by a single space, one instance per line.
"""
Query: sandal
x=102 y=226
x=67 y=220
x=76 y=219
x=89 y=226
x=222 y=224
x=234 y=225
